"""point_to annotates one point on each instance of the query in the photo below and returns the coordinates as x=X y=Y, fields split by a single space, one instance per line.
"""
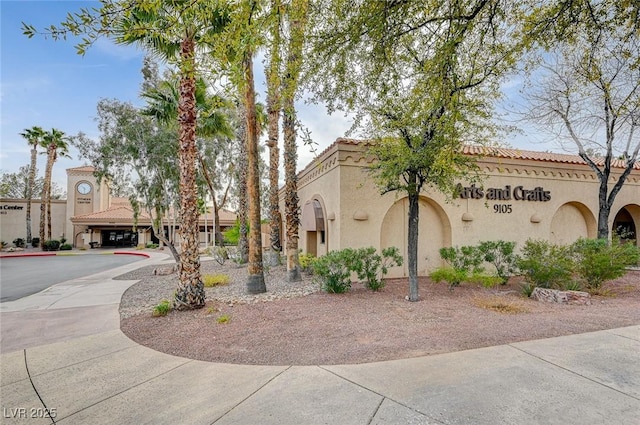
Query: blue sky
x=45 y=83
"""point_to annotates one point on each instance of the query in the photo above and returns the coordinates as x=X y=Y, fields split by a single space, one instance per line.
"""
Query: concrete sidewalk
x=105 y=378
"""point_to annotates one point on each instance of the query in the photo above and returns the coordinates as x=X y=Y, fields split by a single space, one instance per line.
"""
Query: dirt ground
x=363 y=326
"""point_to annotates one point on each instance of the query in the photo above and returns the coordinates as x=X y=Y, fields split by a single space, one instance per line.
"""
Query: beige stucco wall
x=363 y=217
x=13 y=220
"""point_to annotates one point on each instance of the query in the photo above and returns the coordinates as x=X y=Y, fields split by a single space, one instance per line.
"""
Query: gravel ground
x=296 y=324
x=144 y=295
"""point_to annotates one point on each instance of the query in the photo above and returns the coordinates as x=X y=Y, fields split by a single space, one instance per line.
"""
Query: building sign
x=83 y=200
x=6 y=208
x=507 y=193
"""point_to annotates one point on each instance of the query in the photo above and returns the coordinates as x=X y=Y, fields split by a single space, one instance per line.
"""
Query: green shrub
x=66 y=247
x=35 y=242
x=152 y=245
x=232 y=234
x=211 y=280
x=3 y=244
x=63 y=240
x=162 y=309
x=372 y=267
x=526 y=288
x=306 y=262
x=19 y=242
x=501 y=255
x=598 y=260
x=220 y=254
x=225 y=318
x=485 y=280
x=545 y=264
x=333 y=270
x=450 y=275
x=571 y=285
x=51 y=245
x=466 y=258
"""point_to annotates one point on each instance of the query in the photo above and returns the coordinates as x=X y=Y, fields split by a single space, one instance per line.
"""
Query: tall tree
x=215 y=153
x=297 y=15
x=55 y=142
x=170 y=29
x=273 y=110
x=18 y=185
x=421 y=77
x=34 y=137
x=238 y=48
x=585 y=90
x=243 y=199
x=138 y=156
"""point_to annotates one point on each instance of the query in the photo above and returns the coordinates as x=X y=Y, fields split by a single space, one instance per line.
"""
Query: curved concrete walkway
x=94 y=374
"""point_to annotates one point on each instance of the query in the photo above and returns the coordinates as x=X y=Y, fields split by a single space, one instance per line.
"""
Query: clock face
x=84 y=188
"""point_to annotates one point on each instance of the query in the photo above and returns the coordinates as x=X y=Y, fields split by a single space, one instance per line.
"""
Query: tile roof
x=86 y=168
x=538 y=156
x=510 y=153
x=122 y=211
x=115 y=213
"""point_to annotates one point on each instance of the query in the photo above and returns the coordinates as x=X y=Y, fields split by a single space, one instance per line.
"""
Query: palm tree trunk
x=273 y=109
x=255 y=280
x=298 y=19
x=49 y=193
x=243 y=207
x=45 y=195
x=32 y=179
x=190 y=292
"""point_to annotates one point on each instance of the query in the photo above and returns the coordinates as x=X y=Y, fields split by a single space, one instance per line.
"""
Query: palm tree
x=55 y=142
x=212 y=122
x=297 y=15
x=172 y=30
x=273 y=110
x=34 y=137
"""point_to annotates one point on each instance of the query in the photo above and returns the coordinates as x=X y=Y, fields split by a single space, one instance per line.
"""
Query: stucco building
x=525 y=195
x=90 y=216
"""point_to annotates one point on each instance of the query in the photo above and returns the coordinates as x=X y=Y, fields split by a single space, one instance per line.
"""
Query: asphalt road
x=23 y=276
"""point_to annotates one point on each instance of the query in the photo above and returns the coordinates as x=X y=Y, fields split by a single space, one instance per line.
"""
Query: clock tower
x=84 y=196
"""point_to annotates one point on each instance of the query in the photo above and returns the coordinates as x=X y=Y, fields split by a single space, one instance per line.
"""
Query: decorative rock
x=163 y=271
x=561 y=297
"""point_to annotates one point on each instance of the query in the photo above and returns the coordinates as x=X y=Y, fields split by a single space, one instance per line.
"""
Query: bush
x=232 y=235
x=66 y=247
x=466 y=258
x=334 y=270
x=545 y=264
x=35 y=242
x=450 y=275
x=19 y=242
x=211 y=280
x=51 y=245
x=306 y=262
x=372 y=267
x=63 y=240
x=162 y=309
x=485 y=280
x=220 y=254
x=501 y=255
x=598 y=261
x=152 y=245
